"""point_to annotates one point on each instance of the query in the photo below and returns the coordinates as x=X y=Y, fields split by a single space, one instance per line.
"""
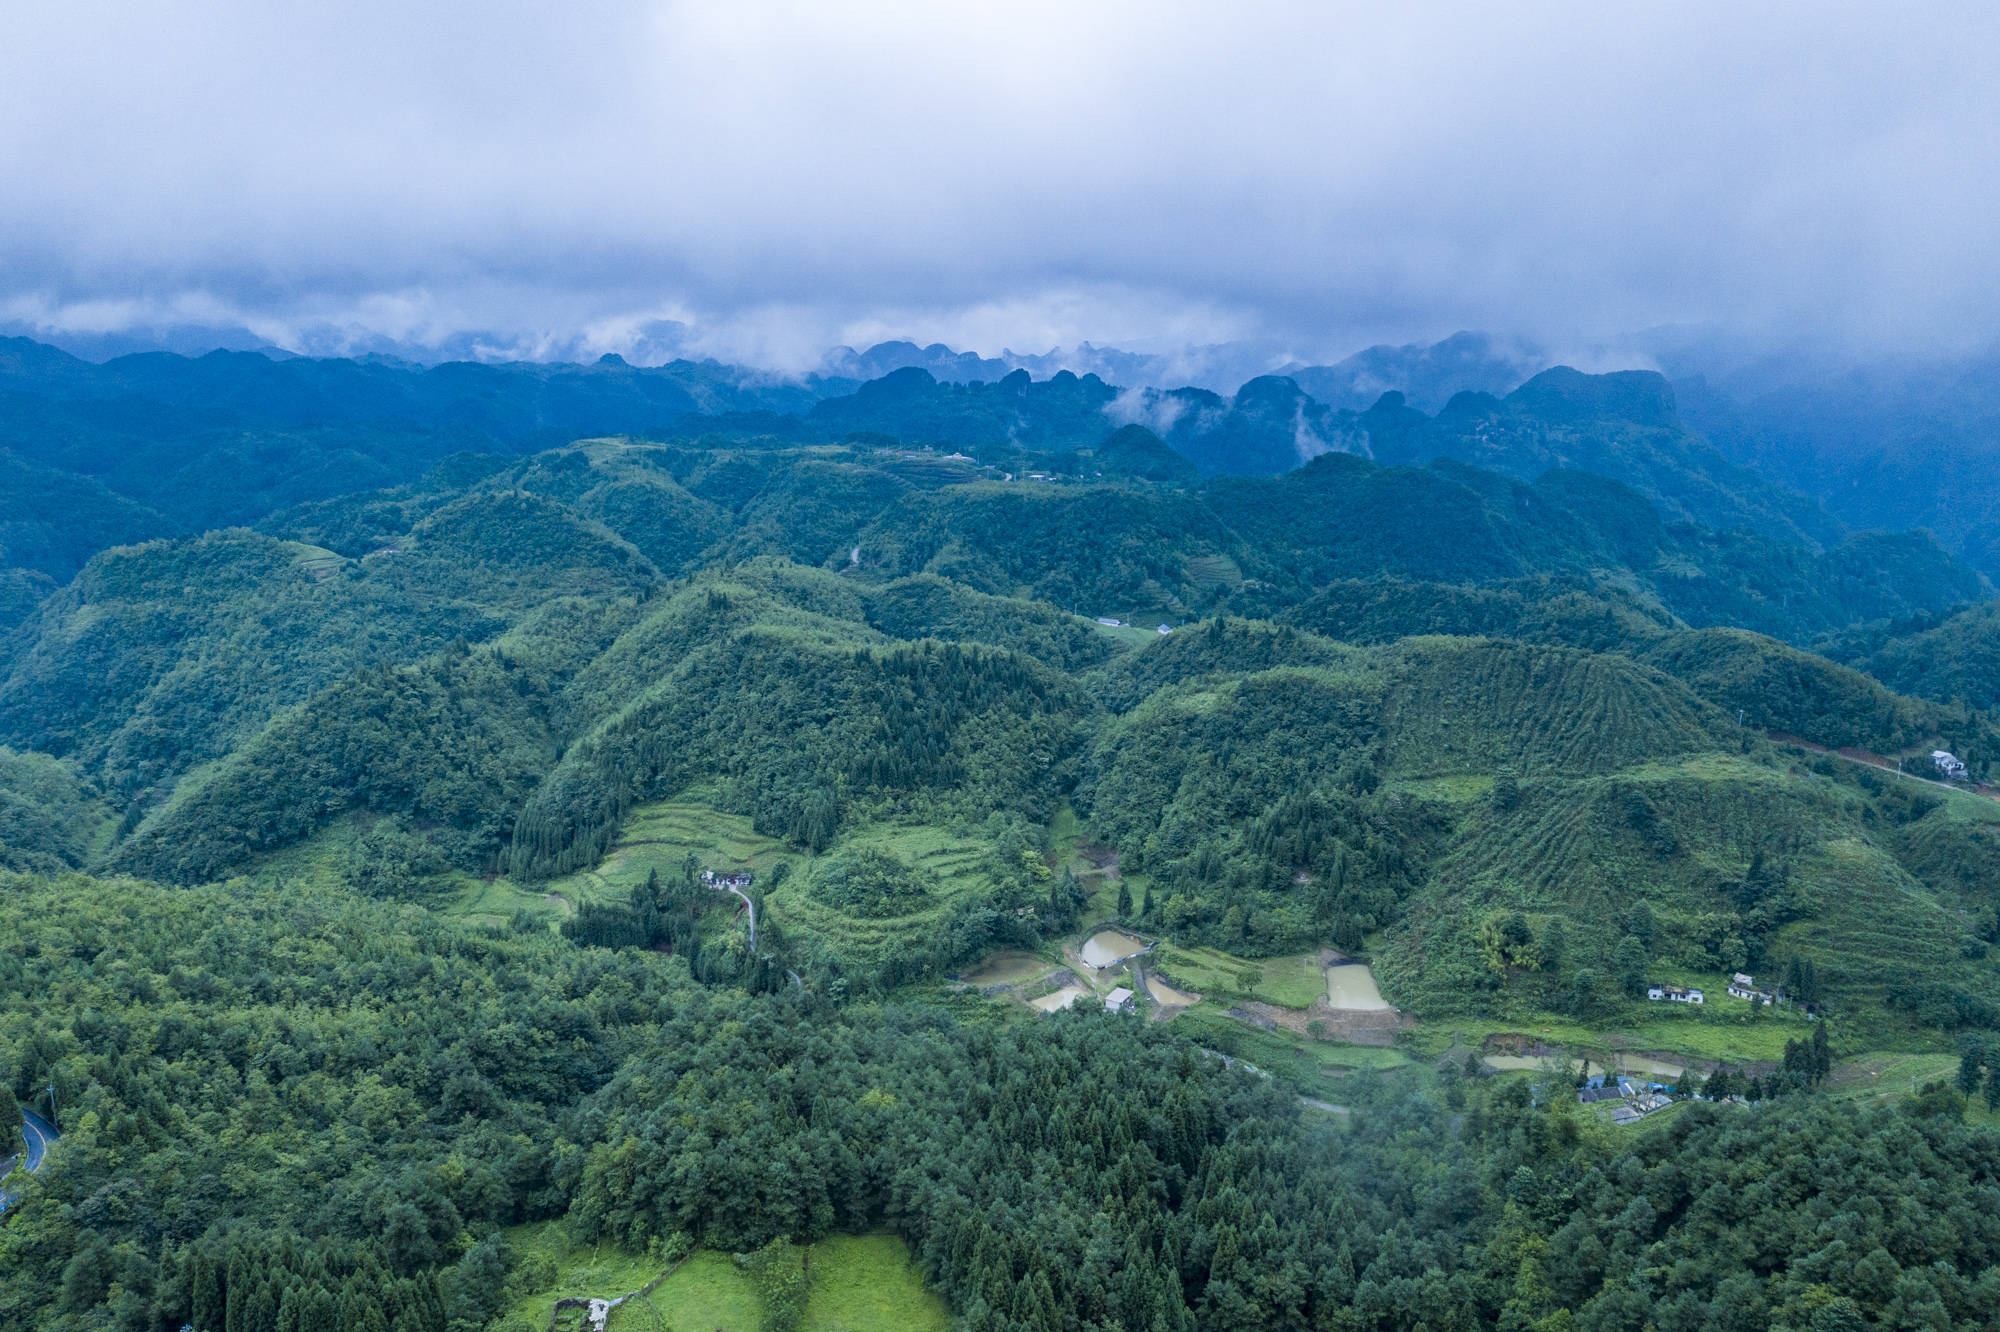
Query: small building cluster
x=1949 y=765
x=1678 y=994
x=1641 y=1105
x=1636 y=1098
x=737 y=879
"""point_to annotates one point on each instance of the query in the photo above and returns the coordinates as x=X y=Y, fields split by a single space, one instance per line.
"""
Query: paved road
x=40 y=1135
x=750 y=907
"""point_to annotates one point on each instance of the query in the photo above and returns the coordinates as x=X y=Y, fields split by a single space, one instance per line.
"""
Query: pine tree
x=1124 y=899
x=208 y=1294
x=1554 y=946
x=1629 y=960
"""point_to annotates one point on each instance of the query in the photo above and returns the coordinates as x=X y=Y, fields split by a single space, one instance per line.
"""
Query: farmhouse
x=1949 y=765
x=1111 y=620
x=1118 y=1001
x=1679 y=994
x=1592 y=1095
x=1742 y=986
x=1166 y=629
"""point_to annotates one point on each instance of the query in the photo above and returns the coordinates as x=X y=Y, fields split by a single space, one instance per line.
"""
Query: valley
x=381 y=872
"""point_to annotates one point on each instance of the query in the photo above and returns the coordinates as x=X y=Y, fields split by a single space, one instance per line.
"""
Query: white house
x=1679 y=994
x=1741 y=986
x=1166 y=629
x=1949 y=765
x=1118 y=1001
x=1106 y=619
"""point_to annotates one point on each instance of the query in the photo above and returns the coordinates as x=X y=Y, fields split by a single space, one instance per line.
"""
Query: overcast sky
x=783 y=177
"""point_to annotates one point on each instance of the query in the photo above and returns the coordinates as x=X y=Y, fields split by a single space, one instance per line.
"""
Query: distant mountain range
x=155 y=442
x=1426 y=374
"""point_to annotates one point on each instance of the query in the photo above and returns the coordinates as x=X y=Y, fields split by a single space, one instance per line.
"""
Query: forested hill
x=150 y=445
x=1622 y=425
x=353 y=918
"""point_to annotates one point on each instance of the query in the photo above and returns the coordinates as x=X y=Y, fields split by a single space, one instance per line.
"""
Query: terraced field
x=659 y=837
x=1209 y=572
x=955 y=865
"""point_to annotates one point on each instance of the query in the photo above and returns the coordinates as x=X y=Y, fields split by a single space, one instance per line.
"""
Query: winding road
x=40 y=1136
x=748 y=906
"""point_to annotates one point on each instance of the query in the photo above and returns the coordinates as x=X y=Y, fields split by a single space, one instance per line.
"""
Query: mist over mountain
x=1138 y=667
x=394 y=758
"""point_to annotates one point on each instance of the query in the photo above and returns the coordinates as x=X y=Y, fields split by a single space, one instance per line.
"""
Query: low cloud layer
x=763 y=180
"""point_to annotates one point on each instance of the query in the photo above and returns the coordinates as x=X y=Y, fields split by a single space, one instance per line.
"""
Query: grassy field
x=497 y=901
x=1461 y=789
x=865 y=1282
x=322 y=860
x=578 y=1270
x=1293 y=981
x=1311 y=1067
x=1883 y=1077
x=1209 y=572
x=860 y=1283
x=660 y=835
x=1679 y=1033
x=709 y=1290
x=1139 y=629
x=955 y=863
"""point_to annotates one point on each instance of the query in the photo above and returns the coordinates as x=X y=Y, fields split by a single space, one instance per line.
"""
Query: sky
x=760 y=181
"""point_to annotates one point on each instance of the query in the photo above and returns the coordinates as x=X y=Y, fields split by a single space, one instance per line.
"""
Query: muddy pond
x=1006 y=968
x=1352 y=986
x=1062 y=998
x=1109 y=947
x=1167 y=996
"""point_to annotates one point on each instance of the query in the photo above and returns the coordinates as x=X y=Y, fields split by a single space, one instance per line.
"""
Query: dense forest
x=311 y=1111
x=1530 y=703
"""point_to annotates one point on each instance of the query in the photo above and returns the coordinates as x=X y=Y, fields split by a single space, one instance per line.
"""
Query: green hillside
x=359 y=872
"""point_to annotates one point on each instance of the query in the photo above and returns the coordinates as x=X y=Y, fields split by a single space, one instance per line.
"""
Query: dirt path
x=1865 y=759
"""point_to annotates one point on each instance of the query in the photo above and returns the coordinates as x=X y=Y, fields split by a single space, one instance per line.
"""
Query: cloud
x=780 y=177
